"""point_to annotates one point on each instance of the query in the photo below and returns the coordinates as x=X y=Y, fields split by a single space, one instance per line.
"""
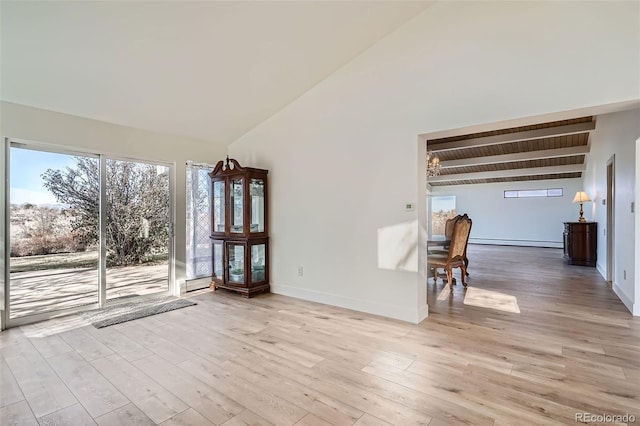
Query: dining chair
x=456 y=255
x=448 y=233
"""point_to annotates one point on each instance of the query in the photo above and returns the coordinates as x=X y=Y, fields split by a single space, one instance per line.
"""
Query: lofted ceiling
x=209 y=70
x=552 y=150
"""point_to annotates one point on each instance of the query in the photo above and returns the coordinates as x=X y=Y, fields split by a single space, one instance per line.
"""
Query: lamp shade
x=581 y=197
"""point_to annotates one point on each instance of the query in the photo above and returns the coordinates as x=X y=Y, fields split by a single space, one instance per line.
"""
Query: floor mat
x=129 y=311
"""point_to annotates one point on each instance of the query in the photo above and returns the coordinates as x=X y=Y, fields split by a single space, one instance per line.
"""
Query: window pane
x=527 y=193
x=198 y=229
x=138 y=223
x=442 y=209
x=53 y=231
x=532 y=193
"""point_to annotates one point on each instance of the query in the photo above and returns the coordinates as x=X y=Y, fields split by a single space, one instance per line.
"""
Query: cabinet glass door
x=258 y=262
x=256 y=190
x=218 y=264
x=235 y=200
x=235 y=256
x=218 y=206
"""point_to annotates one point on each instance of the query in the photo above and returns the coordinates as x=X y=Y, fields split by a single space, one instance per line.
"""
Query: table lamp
x=581 y=197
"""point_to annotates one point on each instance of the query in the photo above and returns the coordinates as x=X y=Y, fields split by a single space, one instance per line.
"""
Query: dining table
x=437 y=240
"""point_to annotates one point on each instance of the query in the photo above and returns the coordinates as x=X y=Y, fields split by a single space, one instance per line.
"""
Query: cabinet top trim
x=231 y=166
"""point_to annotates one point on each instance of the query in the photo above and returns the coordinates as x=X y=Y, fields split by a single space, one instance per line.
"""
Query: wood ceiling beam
x=569 y=168
x=520 y=156
x=569 y=129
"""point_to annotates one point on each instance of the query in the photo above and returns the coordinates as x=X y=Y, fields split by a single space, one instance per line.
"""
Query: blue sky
x=27 y=166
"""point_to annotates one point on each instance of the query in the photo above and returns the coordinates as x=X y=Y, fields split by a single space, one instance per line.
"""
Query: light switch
x=409 y=207
x=633 y=206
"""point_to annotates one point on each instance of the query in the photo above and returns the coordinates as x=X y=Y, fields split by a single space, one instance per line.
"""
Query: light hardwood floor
x=573 y=348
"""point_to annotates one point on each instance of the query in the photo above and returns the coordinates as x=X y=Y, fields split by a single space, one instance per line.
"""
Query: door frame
x=610 y=222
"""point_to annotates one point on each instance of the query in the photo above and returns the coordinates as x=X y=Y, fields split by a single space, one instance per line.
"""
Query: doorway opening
x=610 y=231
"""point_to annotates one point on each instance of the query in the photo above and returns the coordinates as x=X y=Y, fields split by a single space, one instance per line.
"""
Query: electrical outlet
x=300 y=271
x=409 y=207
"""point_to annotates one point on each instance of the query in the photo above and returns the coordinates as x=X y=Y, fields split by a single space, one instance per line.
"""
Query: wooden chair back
x=459 y=239
x=449 y=225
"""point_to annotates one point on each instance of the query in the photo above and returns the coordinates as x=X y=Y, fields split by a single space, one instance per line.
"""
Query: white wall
x=37 y=125
x=615 y=134
x=536 y=222
x=344 y=158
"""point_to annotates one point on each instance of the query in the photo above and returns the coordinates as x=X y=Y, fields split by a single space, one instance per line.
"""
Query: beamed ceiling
x=553 y=150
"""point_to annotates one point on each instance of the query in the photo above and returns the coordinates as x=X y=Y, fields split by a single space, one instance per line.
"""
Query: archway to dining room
x=519 y=182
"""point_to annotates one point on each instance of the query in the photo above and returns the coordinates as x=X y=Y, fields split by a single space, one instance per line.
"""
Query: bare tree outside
x=443 y=209
x=54 y=230
x=137 y=207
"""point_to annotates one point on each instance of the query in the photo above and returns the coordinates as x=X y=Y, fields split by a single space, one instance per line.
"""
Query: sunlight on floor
x=54 y=326
x=491 y=299
x=444 y=294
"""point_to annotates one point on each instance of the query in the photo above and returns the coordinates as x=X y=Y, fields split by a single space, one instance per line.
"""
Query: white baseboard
x=193 y=284
x=624 y=297
x=423 y=313
x=522 y=243
x=602 y=270
x=376 y=308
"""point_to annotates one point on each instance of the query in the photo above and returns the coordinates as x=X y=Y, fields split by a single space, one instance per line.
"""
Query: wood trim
x=510 y=173
x=512 y=137
x=520 y=156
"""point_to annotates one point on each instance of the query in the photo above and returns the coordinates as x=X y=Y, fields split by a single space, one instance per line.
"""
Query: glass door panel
x=258 y=257
x=218 y=263
x=53 y=235
x=236 y=262
x=218 y=206
x=137 y=228
x=256 y=189
x=235 y=198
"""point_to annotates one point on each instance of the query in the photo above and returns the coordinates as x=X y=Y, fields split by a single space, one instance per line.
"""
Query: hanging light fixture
x=433 y=164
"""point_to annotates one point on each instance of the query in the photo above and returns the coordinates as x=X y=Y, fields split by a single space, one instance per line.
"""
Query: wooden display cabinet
x=239 y=228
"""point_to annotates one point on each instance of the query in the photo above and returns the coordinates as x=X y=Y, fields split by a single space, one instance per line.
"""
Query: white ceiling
x=207 y=70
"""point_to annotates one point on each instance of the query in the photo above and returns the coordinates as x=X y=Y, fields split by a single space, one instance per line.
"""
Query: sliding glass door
x=53 y=231
x=137 y=228
x=84 y=230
